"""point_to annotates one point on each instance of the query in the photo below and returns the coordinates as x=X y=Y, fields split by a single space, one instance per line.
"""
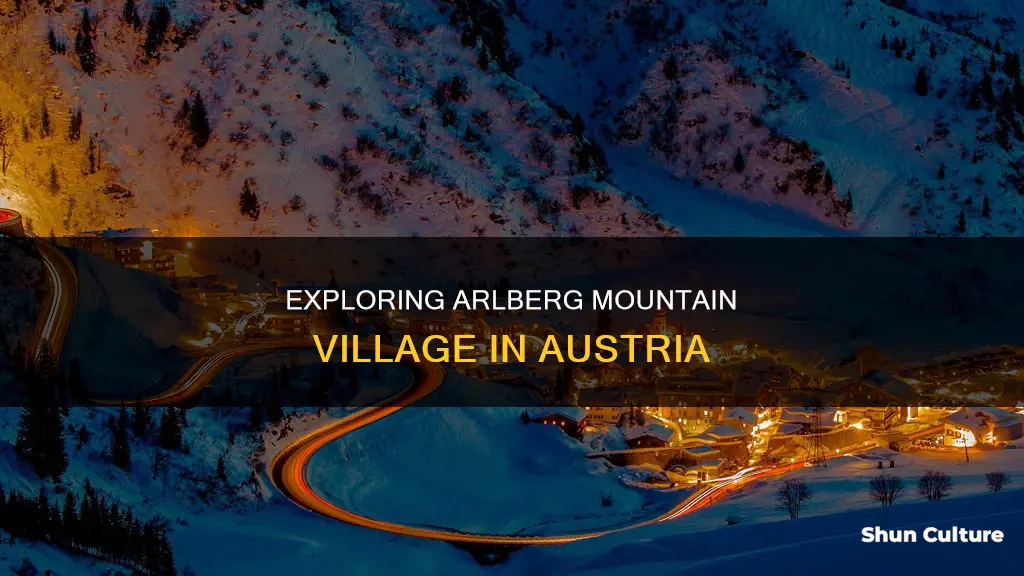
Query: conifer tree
x=249 y=200
x=921 y=82
x=578 y=125
x=130 y=14
x=141 y=420
x=82 y=436
x=51 y=41
x=199 y=122
x=83 y=44
x=44 y=121
x=69 y=518
x=120 y=446
x=156 y=29
x=170 y=430
x=93 y=156
x=739 y=164
x=75 y=125
x=987 y=91
x=40 y=436
x=671 y=68
x=54 y=180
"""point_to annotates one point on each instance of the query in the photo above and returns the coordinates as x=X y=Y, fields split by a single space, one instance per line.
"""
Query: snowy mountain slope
x=911 y=162
x=366 y=118
x=705 y=132
x=392 y=129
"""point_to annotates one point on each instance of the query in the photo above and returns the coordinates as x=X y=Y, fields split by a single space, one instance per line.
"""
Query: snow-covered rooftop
x=700 y=450
x=978 y=418
x=742 y=414
x=788 y=428
x=653 y=429
x=723 y=432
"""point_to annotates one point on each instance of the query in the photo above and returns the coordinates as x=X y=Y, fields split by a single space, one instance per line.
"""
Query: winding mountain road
x=59 y=305
x=287 y=469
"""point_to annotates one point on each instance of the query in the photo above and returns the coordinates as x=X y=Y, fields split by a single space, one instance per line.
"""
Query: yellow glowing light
x=966 y=439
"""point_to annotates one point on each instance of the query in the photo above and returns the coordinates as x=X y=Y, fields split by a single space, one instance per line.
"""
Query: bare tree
x=934 y=485
x=997 y=480
x=791 y=496
x=6 y=141
x=885 y=489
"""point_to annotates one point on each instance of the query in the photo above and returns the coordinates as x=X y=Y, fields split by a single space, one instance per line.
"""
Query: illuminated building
x=568 y=419
x=651 y=435
x=971 y=426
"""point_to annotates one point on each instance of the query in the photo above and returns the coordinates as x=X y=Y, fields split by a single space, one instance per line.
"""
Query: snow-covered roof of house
x=995 y=414
x=702 y=449
x=977 y=418
x=652 y=429
x=789 y=428
x=964 y=419
x=723 y=431
x=574 y=413
x=741 y=414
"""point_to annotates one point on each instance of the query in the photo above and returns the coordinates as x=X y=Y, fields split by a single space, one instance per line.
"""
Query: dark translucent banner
x=682 y=323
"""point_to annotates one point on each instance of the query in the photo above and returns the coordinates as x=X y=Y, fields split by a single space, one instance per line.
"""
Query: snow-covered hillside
x=402 y=469
x=374 y=120
x=506 y=118
x=907 y=156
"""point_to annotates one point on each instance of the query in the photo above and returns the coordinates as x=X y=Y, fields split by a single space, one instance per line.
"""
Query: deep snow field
x=478 y=470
